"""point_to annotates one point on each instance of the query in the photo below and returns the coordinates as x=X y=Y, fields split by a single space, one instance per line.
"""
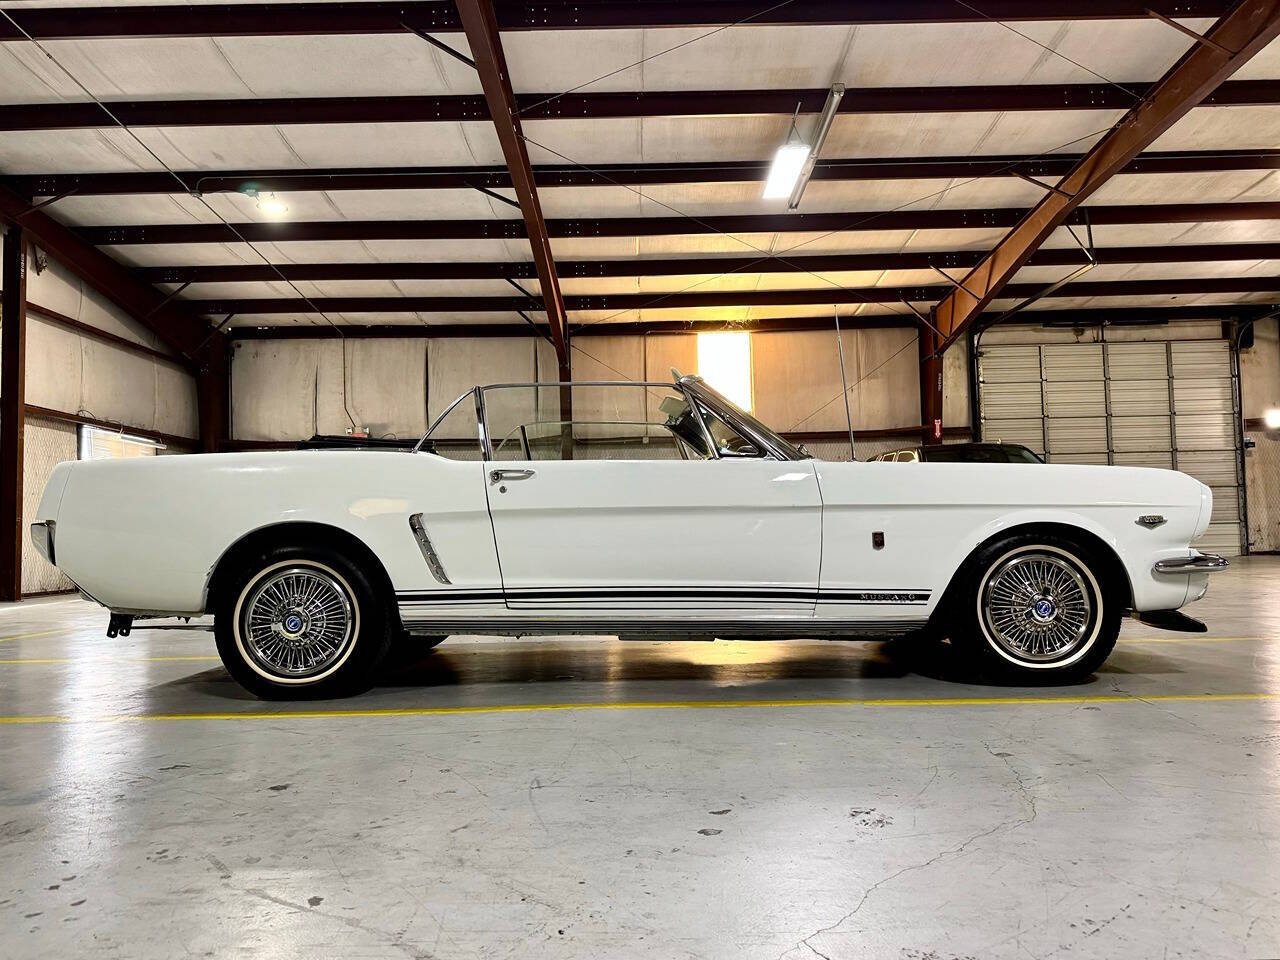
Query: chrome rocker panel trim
x=1196 y=563
x=664 y=629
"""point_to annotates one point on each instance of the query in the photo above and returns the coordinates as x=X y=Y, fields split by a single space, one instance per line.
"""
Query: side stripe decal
x=669 y=593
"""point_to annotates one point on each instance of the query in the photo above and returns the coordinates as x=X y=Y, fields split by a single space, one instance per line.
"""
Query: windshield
x=785 y=447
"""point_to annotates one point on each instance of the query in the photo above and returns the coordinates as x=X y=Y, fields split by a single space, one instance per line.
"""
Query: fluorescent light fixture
x=828 y=117
x=272 y=205
x=724 y=361
x=784 y=172
x=1271 y=418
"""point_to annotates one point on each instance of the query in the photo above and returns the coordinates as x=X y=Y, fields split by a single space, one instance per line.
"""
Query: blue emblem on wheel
x=1045 y=608
x=293 y=623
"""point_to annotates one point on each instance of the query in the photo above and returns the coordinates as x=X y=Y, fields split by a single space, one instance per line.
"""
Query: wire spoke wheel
x=1038 y=606
x=297 y=622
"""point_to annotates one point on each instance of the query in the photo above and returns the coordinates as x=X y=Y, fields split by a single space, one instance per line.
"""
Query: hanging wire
x=230 y=226
x=910 y=343
x=654 y=56
x=860 y=220
x=1048 y=49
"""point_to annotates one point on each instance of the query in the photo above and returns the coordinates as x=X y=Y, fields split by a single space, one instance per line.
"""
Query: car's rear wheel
x=300 y=623
x=1039 y=609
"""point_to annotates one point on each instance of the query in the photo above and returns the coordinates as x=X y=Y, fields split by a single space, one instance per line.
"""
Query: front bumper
x=1196 y=563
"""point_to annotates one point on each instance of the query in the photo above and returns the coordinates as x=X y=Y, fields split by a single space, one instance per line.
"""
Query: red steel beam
x=1247 y=29
x=481 y=28
x=692 y=266
x=13 y=376
x=456 y=108
x=571 y=175
x=179 y=330
x=1195 y=286
x=285 y=19
x=1114 y=316
x=988 y=218
x=198 y=348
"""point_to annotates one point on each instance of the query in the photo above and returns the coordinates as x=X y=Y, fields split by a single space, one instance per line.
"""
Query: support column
x=930 y=386
x=13 y=351
x=213 y=395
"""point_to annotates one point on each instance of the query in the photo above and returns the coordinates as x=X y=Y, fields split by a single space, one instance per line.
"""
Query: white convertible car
x=644 y=510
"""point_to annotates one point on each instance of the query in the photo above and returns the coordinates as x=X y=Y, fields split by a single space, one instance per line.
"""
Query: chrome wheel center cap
x=1044 y=610
x=293 y=624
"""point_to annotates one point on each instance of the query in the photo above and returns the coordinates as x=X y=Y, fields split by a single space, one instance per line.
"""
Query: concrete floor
x=151 y=809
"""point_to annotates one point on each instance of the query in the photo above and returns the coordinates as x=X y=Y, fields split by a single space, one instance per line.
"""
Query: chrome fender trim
x=428 y=548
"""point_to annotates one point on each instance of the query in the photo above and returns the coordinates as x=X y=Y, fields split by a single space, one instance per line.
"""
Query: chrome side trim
x=645 y=627
x=1196 y=563
x=428 y=549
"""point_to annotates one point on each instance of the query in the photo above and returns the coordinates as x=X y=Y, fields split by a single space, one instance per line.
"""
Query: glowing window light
x=1271 y=418
x=724 y=361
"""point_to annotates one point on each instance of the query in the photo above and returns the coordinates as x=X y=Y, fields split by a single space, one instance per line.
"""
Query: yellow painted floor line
x=1192 y=638
x=656 y=705
x=32 y=636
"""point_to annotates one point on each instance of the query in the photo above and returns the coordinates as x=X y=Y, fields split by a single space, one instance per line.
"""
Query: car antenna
x=844 y=382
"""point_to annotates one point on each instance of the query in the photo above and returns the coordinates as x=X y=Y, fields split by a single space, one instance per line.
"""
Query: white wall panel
x=292 y=389
x=77 y=373
x=798 y=385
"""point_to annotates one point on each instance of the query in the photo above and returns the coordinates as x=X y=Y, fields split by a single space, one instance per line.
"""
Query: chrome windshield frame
x=473 y=392
x=696 y=388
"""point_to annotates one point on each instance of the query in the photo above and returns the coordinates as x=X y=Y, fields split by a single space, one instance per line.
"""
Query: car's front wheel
x=301 y=623
x=1038 y=609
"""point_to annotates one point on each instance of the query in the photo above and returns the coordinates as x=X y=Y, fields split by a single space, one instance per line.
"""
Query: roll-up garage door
x=1157 y=404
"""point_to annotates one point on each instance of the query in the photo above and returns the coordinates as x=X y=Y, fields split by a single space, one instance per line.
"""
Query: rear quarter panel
x=144 y=535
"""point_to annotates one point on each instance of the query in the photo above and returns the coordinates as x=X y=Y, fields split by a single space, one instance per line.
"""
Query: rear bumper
x=42 y=539
x=1196 y=563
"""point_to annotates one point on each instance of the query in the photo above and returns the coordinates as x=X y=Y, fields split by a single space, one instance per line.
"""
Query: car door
x=634 y=528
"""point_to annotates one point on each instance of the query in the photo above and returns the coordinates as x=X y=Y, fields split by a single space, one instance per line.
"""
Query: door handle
x=500 y=476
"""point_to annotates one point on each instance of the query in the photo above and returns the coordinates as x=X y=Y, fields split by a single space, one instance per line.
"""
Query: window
x=99 y=444
x=729 y=443
x=586 y=421
x=724 y=362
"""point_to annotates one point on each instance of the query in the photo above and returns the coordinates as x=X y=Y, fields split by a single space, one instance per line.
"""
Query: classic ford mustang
x=646 y=510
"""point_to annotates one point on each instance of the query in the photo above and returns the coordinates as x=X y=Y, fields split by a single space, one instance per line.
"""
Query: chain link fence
x=45 y=444
x=1262 y=478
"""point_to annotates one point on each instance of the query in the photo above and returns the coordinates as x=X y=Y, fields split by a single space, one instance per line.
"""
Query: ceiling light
x=788 y=164
x=784 y=173
x=828 y=117
x=272 y=205
x=1272 y=418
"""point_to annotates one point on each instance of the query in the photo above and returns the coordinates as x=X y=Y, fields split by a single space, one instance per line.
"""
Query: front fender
x=1136 y=551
